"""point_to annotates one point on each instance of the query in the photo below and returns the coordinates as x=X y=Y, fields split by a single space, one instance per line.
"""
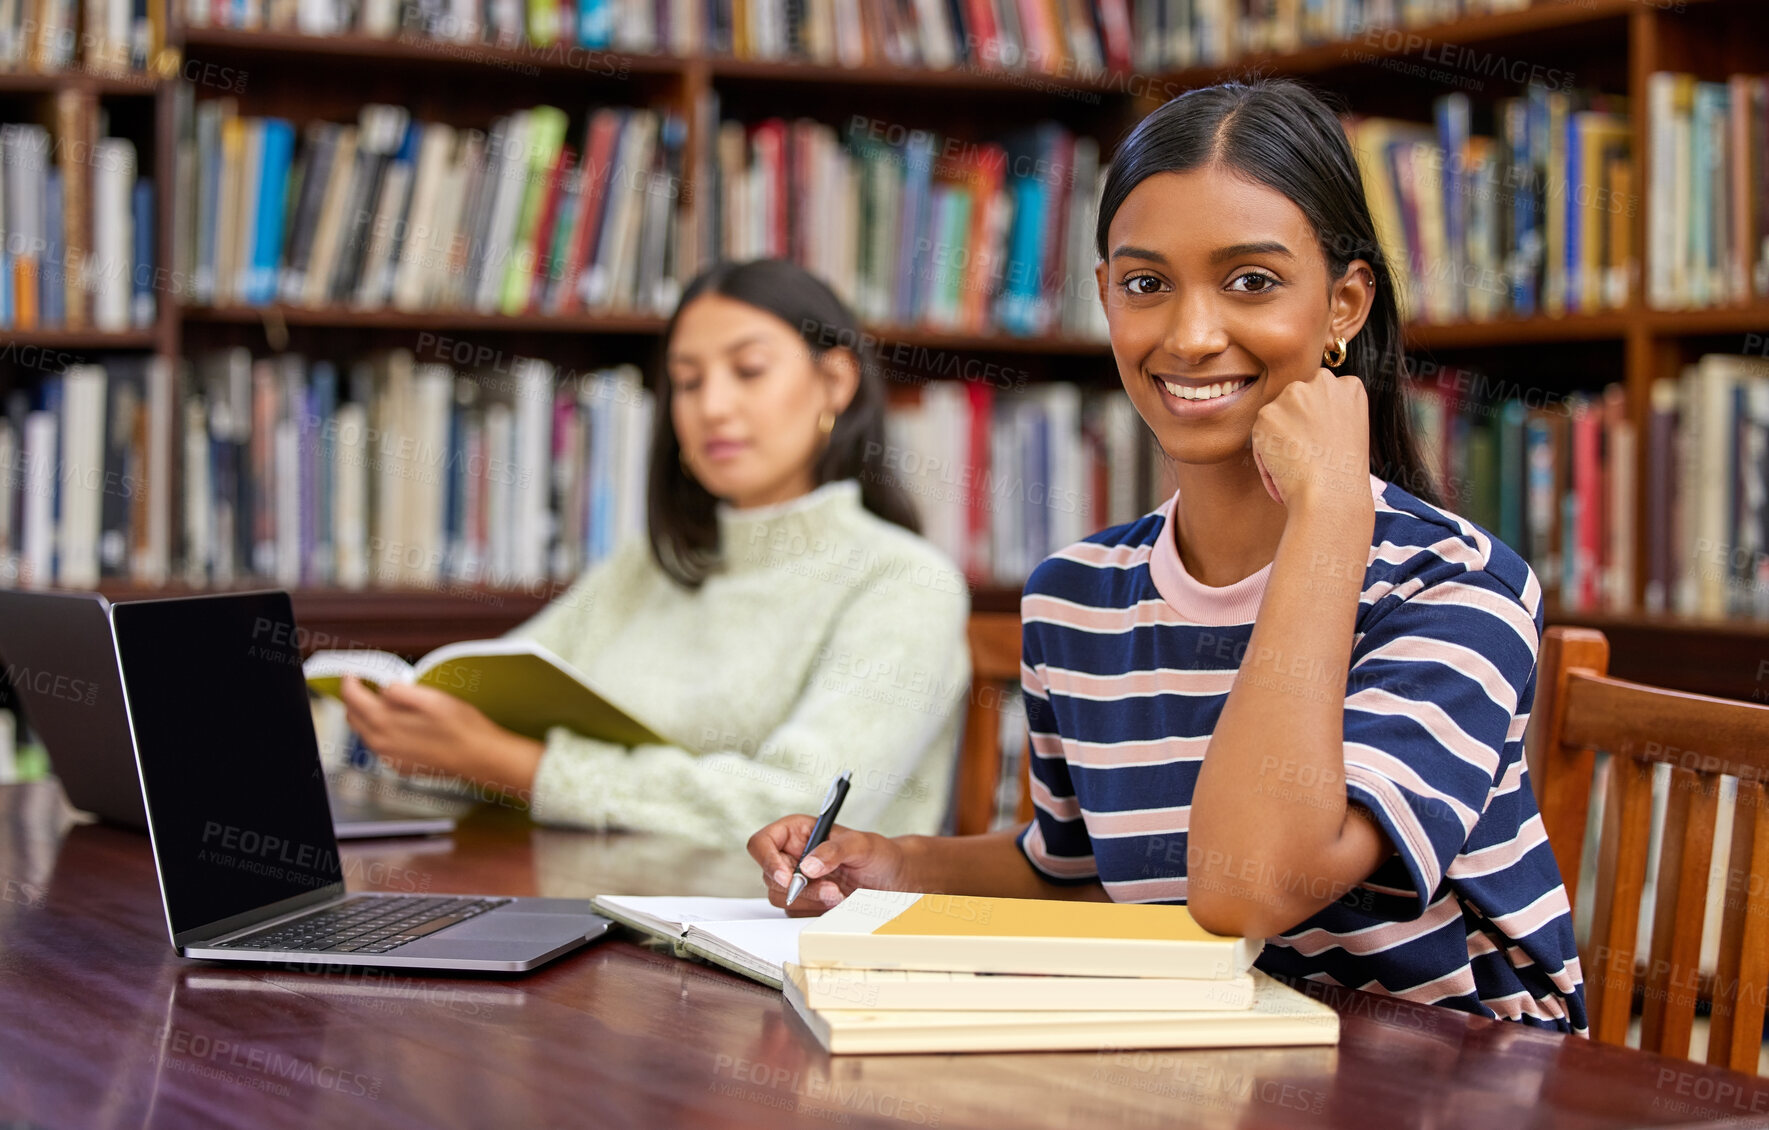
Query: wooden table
x=104 y=1027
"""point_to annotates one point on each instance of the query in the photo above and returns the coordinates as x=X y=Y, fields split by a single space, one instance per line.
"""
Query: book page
x=326 y=669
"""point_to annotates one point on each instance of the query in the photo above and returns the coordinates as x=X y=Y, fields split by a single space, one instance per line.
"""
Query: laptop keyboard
x=366 y=924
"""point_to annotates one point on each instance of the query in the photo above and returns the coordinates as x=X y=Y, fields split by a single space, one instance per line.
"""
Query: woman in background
x=782 y=621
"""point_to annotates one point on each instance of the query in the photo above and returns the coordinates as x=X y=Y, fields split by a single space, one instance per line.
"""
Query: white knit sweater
x=828 y=639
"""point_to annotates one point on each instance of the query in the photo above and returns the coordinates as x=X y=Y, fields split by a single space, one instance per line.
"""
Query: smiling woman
x=1294 y=696
x=782 y=619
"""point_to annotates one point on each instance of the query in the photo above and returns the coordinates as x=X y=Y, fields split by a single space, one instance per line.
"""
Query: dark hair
x=1280 y=134
x=681 y=514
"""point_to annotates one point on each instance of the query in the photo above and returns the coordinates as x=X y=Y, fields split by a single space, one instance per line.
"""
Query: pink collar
x=1209 y=604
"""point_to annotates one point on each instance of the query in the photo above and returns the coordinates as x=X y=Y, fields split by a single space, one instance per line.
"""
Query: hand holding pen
x=832 y=803
x=820 y=862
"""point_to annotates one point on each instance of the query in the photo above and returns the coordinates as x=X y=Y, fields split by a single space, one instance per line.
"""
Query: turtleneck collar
x=795 y=527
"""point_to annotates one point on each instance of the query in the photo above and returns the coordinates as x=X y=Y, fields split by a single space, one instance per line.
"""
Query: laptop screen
x=62 y=666
x=236 y=797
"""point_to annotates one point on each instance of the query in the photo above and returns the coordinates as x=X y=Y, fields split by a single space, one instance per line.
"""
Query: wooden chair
x=1578 y=710
x=995 y=670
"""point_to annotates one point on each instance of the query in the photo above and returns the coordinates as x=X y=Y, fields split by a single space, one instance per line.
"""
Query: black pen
x=832 y=804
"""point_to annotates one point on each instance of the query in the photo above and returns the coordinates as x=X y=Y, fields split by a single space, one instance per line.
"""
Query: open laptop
x=236 y=809
x=61 y=661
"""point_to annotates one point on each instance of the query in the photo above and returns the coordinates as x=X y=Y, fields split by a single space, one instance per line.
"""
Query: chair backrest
x=1579 y=710
x=995 y=671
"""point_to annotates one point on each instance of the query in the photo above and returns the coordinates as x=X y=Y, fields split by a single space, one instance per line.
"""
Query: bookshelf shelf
x=21 y=82
x=1701 y=656
x=1751 y=318
x=989 y=342
x=1608 y=325
x=449 y=320
x=83 y=339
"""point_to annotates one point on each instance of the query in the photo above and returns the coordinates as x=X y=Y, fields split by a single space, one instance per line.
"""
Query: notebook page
x=681 y=911
x=762 y=945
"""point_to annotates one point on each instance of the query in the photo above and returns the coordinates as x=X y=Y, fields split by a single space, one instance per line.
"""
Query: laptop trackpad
x=541 y=930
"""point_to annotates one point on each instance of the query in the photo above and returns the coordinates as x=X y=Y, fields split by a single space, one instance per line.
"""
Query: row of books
x=675 y=27
x=1061 y=37
x=1555 y=478
x=109 y=37
x=1004 y=478
x=915 y=229
x=393 y=212
x=1708 y=227
x=390 y=472
x=1551 y=476
x=1184 y=33
x=1707 y=497
x=398 y=472
x=1536 y=218
x=76 y=227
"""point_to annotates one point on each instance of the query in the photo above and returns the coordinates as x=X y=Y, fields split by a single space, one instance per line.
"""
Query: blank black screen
x=229 y=763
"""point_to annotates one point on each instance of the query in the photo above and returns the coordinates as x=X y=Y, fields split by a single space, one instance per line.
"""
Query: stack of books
x=902 y=972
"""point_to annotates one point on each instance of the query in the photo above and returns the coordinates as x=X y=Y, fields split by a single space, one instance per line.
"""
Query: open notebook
x=754 y=939
x=747 y=936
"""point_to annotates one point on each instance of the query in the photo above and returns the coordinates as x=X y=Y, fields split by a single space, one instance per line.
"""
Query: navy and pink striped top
x=1126 y=666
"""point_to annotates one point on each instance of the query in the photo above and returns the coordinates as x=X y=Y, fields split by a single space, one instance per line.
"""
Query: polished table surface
x=103 y=1026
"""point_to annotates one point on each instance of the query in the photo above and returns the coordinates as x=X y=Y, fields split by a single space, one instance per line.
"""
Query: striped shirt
x=1128 y=662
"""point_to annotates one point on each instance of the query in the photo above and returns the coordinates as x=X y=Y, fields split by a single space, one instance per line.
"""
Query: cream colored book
x=1280 y=1017
x=831 y=987
x=517 y=683
x=963 y=933
x=750 y=937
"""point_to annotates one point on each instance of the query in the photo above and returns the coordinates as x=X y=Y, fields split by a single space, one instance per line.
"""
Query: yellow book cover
x=1371 y=142
x=1280 y=1017
x=903 y=930
x=1600 y=135
x=1554 y=221
x=517 y=683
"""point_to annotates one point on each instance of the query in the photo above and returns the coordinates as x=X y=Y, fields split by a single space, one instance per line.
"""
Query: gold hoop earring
x=1334 y=355
x=826 y=422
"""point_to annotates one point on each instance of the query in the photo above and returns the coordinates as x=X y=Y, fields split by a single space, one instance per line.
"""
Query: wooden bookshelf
x=84 y=340
x=30 y=82
x=1614 y=44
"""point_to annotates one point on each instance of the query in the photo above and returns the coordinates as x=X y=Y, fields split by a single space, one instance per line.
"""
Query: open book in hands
x=516 y=683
